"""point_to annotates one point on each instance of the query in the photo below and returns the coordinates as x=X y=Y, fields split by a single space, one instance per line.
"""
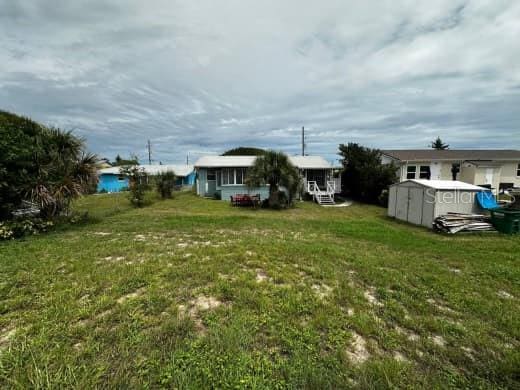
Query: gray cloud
x=204 y=76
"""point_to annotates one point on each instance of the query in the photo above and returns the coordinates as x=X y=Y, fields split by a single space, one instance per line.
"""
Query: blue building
x=111 y=179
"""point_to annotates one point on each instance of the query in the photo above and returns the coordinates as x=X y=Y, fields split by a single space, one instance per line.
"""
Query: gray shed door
x=401 y=208
x=415 y=205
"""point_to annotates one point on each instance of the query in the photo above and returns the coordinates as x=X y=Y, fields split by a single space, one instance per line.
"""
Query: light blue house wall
x=186 y=180
x=209 y=188
x=112 y=183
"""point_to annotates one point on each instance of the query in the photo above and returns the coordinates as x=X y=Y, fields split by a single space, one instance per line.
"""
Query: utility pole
x=303 y=141
x=188 y=158
x=149 y=153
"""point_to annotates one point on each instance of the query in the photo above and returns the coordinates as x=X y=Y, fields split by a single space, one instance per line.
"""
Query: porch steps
x=323 y=198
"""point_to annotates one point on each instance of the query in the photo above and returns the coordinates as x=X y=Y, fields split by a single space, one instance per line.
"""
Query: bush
x=165 y=183
x=138 y=184
x=23 y=227
x=364 y=176
x=383 y=198
x=47 y=166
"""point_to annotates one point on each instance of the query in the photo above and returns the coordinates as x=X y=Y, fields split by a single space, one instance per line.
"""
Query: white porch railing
x=320 y=196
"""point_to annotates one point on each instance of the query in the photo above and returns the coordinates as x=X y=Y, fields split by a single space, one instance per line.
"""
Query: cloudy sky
x=203 y=76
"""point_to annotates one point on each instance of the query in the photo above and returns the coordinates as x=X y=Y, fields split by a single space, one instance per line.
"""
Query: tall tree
x=439 y=145
x=275 y=169
x=244 y=151
x=45 y=165
x=364 y=176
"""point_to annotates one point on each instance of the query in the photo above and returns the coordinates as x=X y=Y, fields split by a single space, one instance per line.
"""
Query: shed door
x=401 y=208
x=415 y=205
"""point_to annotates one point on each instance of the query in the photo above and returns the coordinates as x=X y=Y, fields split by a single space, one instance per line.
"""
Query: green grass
x=191 y=293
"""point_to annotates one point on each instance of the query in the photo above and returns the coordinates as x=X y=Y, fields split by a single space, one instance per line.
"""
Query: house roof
x=452 y=154
x=445 y=185
x=302 y=162
x=154 y=169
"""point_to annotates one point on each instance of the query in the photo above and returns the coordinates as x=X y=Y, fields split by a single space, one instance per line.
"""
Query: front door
x=319 y=176
x=211 y=182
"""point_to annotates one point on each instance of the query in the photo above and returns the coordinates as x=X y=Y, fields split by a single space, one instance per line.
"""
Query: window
x=121 y=178
x=424 y=172
x=233 y=176
x=518 y=170
x=410 y=171
x=211 y=174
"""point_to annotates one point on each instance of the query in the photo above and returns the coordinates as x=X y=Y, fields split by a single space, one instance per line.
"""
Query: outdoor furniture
x=487 y=200
x=245 y=200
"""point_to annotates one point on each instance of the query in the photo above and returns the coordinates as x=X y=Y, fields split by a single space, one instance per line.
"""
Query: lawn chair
x=487 y=200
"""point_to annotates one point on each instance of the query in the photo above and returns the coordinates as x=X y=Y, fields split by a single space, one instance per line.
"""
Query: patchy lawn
x=192 y=293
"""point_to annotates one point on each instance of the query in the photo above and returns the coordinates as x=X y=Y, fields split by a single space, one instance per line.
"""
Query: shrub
x=23 y=227
x=45 y=165
x=165 y=183
x=138 y=184
x=383 y=198
x=364 y=176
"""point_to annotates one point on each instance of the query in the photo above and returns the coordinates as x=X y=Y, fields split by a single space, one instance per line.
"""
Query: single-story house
x=495 y=169
x=111 y=179
x=223 y=176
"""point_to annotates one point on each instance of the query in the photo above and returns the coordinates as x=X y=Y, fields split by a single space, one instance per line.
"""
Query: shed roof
x=452 y=154
x=445 y=185
x=154 y=169
x=302 y=162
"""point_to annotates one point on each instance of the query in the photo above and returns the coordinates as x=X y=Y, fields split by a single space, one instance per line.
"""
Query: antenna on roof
x=303 y=141
x=149 y=152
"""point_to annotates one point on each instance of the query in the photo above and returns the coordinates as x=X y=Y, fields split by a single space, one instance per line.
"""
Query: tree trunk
x=273 y=196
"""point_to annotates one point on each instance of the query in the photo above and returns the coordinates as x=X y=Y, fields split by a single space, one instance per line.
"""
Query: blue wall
x=111 y=183
x=185 y=180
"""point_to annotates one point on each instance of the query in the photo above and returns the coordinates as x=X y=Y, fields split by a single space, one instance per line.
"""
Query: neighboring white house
x=224 y=176
x=496 y=169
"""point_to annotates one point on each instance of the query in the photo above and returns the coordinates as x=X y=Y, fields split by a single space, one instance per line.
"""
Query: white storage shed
x=421 y=201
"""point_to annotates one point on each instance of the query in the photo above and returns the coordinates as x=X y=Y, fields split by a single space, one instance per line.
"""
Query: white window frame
x=414 y=172
x=225 y=173
x=429 y=172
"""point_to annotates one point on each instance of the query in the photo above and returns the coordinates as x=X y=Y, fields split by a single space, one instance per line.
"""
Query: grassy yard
x=191 y=293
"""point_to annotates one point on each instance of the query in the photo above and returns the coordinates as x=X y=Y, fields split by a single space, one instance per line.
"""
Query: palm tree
x=64 y=171
x=274 y=169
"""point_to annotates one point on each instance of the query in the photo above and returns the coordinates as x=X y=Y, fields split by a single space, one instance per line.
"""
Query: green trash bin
x=506 y=220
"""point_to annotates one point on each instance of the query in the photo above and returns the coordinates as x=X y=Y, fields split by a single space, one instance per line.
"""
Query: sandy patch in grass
x=5 y=336
x=186 y=255
x=455 y=270
x=131 y=295
x=322 y=291
x=469 y=352
x=102 y=234
x=358 y=353
x=371 y=297
x=201 y=303
x=440 y=306
x=261 y=276
x=438 y=340
x=504 y=294
x=400 y=357
x=410 y=335
x=140 y=237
